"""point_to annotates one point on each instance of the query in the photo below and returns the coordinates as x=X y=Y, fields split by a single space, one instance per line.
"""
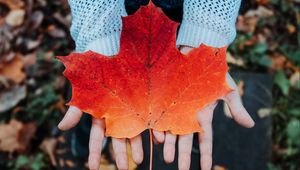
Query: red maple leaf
x=149 y=84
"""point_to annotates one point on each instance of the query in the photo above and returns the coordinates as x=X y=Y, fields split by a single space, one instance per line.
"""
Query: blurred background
x=33 y=90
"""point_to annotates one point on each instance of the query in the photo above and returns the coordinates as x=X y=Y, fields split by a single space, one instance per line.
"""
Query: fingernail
x=252 y=123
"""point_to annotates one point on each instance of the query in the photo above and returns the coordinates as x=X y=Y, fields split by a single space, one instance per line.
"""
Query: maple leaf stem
x=151 y=149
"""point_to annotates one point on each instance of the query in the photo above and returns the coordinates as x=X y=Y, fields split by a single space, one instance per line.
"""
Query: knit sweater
x=96 y=24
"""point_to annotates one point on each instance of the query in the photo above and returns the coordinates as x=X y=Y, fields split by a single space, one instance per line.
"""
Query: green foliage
x=282 y=82
x=255 y=52
x=38 y=105
x=34 y=162
x=293 y=132
x=286 y=131
x=258 y=49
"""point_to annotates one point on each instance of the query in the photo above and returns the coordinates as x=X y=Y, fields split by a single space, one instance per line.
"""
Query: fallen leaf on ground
x=13 y=69
x=264 y=112
x=61 y=163
x=131 y=164
x=9 y=136
x=48 y=146
x=235 y=61
x=291 y=28
x=29 y=60
x=278 y=61
x=295 y=79
x=260 y=12
x=262 y=2
x=106 y=165
x=32 y=44
x=10 y=98
x=147 y=85
x=15 y=17
x=218 y=167
x=26 y=134
x=56 y=32
x=13 y=4
x=15 y=136
x=70 y=163
x=247 y=22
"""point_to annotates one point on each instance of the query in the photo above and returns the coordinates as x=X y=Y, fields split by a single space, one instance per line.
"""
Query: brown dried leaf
x=32 y=44
x=264 y=112
x=26 y=134
x=60 y=105
x=4 y=82
x=13 y=4
x=61 y=139
x=108 y=167
x=262 y=2
x=131 y=164
x=260 y=12
x=65 y=20
x=13 y=69
x=218 y=167
x=15 y=17
x=56 y=32
x=15 y=136
x=29 y=59
x=36 y=19
x=61 y=163
x=295 y=79
x=291 y=28
x=9 y=136
x=48 y=146
x=70 y=163
x=247 y=23
x=278 y=61
x=61 y=151
x=235 y=61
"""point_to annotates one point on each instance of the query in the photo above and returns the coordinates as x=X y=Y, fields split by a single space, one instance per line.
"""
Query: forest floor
x=33 y=90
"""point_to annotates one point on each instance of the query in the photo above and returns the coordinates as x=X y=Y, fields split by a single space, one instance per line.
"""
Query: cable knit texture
x=210 y=22
x=96 y=24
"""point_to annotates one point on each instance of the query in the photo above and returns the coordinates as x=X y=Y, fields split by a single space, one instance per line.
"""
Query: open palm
x=204 y=116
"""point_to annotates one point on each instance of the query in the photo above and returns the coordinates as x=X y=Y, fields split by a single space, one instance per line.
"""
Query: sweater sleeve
x=210 y=22
x=96 y=25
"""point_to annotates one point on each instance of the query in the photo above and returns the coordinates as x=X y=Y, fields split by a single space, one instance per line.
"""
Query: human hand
x=71 y=119
x=205 y=116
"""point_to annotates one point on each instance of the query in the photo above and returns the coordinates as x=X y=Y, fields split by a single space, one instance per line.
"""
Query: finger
x=137 y=149
x=169 y=147
x=159 y=136
x=95 y=143
x=185 y=49
x=237 y=110
x=185 y=143
x=205 y=117
x=119 y=147
x=71 y=118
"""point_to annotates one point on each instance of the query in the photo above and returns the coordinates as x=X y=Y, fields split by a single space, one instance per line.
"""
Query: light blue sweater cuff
x=195 y=35
x=108 y=46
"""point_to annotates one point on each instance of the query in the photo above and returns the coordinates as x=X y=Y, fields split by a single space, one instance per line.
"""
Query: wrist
x=108 y=45
x=193 y=35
